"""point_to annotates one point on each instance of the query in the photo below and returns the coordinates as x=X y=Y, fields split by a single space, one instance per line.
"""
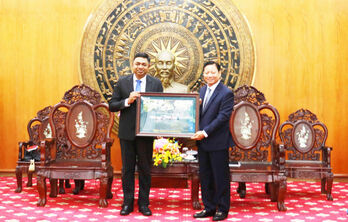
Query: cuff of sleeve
x=126 y=103
x=205 y=134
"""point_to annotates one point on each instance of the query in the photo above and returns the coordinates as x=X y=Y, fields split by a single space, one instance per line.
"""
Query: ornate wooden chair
x=80 y=146
x=307 y=157
x=29 y=150
x=256 y=157
x=24 y=155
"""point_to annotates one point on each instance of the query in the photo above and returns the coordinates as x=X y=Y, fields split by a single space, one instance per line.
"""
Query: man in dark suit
x=134 y=150
x=213 y=141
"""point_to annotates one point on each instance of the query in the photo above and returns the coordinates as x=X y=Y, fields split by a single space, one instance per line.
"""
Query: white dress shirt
x=143 y=87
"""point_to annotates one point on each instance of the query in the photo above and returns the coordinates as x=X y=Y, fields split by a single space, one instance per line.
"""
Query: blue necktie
x=207 y=98
x=138 y=86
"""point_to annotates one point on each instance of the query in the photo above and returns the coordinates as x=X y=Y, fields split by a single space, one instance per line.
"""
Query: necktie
x=207 y=97
x=138 y=86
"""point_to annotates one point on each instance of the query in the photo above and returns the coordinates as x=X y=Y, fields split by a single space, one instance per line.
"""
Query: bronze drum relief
x=179 y=36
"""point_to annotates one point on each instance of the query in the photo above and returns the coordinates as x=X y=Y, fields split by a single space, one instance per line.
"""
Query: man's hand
x=198 y=136
x=132 y=97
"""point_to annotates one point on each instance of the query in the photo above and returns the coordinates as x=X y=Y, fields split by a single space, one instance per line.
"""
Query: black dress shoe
x=126 y=209
x=145 y=210
x=204 y=213
x=220 y=216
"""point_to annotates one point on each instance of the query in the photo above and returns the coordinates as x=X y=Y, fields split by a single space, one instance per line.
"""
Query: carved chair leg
x=42 y=189
x=267 y=188
x=241 y=189
x=61 y=186
x=67 y=183
x=102 y=192
x=274 y=189
x=329 y=182
x=195 y=191
x=19 y=175
x=323 y=185
x=79 y=185
x=54 y=188
x=82 y=187
x=30 y=179
x=281 y=192
x=109 y=193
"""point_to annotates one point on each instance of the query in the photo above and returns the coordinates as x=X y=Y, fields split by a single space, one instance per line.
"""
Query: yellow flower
x=166 y=151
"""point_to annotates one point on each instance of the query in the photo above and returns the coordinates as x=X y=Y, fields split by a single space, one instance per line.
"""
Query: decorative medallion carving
x=250 y=94
x=80 y=93
x=34 y=128
x=303 y=114
x=65 y=149
x=269 y=123
x=246 y=125
x=48 y=132
x=81 y=126
x=185 y=33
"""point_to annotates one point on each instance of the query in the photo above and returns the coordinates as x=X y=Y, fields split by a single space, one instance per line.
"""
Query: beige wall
x=301 y=48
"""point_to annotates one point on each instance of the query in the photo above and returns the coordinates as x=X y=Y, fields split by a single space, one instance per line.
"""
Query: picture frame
x=167 y=114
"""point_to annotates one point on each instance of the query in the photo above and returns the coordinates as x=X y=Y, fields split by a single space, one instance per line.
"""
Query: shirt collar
x=213 y=87
x=143 y=80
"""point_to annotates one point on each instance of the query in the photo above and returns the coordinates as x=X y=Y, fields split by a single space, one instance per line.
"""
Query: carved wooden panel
x=303 y=136
x=246 y=127
x=81 y=124
x=261 y=121
x=250 y=94
x=80 y=93
x=33 y=128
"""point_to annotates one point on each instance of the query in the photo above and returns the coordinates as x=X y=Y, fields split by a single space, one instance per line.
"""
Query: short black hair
x=142 y=55
x=212 y=63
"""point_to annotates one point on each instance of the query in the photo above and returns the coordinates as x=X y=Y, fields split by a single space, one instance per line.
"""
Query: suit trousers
x=136 y=152
x=214 y=175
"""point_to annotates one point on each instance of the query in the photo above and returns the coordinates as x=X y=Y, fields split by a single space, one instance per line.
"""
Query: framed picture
x=167 y=114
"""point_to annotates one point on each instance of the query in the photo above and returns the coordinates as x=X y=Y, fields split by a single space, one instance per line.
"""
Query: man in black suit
x=213 y=141
x=134 y=150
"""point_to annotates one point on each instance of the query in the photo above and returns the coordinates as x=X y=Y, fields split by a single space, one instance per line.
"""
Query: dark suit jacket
x=214 y=120
x=123 y=88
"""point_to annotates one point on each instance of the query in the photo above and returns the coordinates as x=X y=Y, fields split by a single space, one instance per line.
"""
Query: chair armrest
x=21 y=148
x=106 y=152
x=326 y=155
x=278 y=155
x=45 y=150
x=109 y=141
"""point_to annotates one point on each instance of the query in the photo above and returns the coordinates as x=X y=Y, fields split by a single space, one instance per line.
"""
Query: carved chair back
x=303 y=136
x=253 y=125
x=38 y=128
x=26 y=150
x=80 y=123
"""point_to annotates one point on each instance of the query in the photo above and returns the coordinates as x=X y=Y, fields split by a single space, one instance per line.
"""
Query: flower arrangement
x=166 y=151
